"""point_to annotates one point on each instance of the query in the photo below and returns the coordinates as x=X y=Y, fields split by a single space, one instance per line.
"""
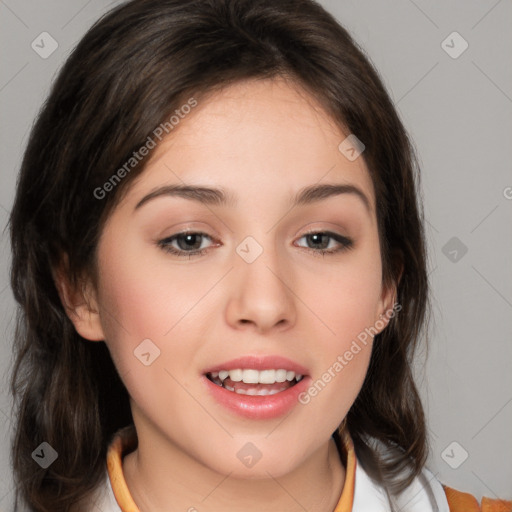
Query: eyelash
x=346 y=244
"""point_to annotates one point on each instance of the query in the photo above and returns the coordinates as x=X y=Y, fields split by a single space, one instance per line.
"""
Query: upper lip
x=255 y=362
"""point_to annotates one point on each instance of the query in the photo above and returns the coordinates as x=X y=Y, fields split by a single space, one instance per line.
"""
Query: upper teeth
x=255 y=376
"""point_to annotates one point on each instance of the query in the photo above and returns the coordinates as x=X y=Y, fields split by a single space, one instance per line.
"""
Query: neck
x=158 y=478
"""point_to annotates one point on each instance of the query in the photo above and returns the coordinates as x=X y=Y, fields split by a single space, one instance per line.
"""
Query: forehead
x=266 y=135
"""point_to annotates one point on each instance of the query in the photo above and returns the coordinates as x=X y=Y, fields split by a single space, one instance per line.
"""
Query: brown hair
x=127 y=75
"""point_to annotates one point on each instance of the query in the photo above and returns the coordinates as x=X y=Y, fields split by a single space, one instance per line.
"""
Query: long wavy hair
x=129 y=73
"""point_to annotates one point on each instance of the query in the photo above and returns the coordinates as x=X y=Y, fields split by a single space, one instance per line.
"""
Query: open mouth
x=255 y=382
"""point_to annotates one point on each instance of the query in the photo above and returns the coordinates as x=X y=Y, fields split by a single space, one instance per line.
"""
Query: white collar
x=368 y=497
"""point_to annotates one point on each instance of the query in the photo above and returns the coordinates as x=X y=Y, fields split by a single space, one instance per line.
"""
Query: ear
x=386 y=306
x=81 y=305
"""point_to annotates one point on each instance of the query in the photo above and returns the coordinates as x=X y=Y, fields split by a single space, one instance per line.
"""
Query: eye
x=189 y=243
x=322 y=240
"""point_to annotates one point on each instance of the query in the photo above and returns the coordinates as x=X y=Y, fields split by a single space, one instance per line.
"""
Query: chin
x=278 y=465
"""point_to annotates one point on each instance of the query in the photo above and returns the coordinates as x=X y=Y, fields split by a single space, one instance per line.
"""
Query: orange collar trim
x=125 y=441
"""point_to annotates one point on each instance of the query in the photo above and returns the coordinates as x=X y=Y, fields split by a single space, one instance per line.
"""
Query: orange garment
x=465 y=502
x=125 y=441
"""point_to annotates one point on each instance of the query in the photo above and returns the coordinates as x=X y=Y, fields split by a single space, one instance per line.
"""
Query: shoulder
x=463 y=502
x=425 y=494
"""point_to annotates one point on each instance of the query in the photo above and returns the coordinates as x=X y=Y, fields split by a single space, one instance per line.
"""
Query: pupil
x=189 y=240
x=317 y=238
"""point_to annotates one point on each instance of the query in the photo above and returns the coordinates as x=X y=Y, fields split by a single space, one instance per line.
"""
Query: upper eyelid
x=197 y=232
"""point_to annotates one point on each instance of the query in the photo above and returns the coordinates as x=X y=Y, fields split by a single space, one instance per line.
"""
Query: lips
x=257 y=387
x=259 y=363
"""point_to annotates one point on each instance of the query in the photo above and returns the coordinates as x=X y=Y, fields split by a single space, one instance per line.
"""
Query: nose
x=261 y=294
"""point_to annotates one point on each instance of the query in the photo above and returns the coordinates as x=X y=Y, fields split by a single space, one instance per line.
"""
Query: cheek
x=345 y=299
x=339 y=374
x=142 y=294
x=144 y=297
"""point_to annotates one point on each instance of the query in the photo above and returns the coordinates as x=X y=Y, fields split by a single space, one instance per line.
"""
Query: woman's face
x=175 y=321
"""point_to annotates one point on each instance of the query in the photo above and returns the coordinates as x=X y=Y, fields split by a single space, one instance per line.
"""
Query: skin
x=264 y=141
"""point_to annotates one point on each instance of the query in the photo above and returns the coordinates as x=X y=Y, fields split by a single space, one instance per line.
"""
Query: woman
x=258 y=371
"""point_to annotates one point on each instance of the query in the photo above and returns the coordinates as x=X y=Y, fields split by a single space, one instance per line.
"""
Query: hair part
x=134 y=67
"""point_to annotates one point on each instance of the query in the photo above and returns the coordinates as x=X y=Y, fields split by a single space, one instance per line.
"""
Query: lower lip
x=258 y=407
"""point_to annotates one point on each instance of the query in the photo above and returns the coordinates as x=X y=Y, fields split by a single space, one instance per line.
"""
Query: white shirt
x=369 y=497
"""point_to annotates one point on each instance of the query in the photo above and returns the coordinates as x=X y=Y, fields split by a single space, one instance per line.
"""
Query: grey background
x=458 y=112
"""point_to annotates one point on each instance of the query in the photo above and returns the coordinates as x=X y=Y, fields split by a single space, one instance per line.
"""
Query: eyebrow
x=220 y=197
